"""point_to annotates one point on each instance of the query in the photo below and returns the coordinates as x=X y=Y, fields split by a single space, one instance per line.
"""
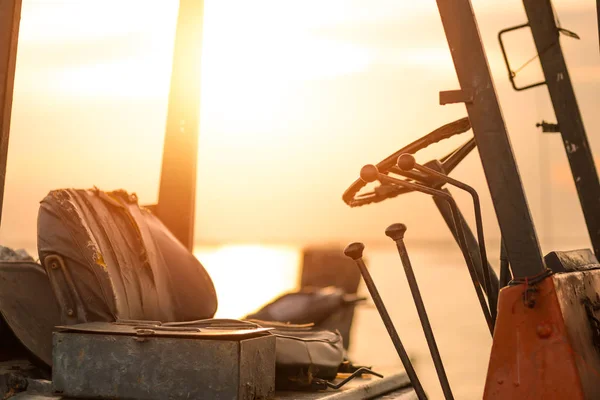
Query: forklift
x=139 y=338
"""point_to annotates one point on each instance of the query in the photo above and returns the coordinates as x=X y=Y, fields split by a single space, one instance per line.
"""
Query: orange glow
x=296 y=97
x=248 y=276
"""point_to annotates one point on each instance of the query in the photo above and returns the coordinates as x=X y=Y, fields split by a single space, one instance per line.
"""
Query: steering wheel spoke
x=451 y=160
x=378 y=194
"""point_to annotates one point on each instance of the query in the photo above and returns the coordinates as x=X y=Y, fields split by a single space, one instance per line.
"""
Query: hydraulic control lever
x=472 y=244
x=355 y=252
x=396 y=233
x=406 y=162
x=370 y=173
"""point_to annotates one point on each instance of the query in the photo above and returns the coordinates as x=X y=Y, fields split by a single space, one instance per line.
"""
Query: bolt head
x=544 y=330
x=354 y=250
x=395 y=231
x=406 y=162
x=369 y=173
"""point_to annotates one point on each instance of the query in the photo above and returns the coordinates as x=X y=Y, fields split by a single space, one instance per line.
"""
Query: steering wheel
x=447 y=163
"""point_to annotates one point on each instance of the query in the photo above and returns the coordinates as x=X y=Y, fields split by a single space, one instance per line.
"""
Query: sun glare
x=249 y=51
x=248 y=276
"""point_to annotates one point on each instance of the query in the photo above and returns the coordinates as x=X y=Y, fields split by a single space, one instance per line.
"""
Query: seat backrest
x=28 y=308
x=108 y=259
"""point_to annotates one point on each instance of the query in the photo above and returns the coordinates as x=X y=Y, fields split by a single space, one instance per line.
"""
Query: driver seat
x=107 y=259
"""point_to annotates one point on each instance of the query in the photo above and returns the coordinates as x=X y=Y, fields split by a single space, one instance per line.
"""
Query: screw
x=544 y=330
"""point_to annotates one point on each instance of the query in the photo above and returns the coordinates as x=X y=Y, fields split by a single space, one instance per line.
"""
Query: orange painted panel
x=531 y=354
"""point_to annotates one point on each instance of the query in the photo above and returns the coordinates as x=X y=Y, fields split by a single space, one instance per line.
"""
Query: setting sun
x=233 y=128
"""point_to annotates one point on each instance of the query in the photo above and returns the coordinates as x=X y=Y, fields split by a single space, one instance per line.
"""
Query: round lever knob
x=369 y=173
x=354 y=250
x=406 y=162
x=396 y=231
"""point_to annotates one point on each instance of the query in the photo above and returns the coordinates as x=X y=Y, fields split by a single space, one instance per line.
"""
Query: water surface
x=246 y=277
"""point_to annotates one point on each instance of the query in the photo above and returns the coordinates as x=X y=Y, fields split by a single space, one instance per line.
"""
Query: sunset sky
x=296 y=97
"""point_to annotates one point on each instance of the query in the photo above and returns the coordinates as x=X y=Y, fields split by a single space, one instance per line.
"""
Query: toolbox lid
x=217 y=329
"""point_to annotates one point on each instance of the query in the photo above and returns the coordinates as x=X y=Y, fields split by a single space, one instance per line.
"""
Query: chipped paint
x=99 y=260
x=571 y=147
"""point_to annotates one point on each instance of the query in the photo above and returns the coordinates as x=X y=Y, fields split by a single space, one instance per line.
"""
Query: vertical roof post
x=493 y=143
x=546 y=37
x=10 y=17
x=177 y=192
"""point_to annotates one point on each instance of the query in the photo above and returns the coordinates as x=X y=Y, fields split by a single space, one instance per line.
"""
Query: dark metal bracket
x=511 y=73
x=456 y=96
x=548 y=127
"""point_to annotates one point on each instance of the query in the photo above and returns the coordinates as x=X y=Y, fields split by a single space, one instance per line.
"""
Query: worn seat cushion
x=116 y=260
x=30 y=317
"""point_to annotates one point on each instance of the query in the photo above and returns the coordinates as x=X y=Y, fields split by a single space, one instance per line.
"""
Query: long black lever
x=370 y=173
x=396 y=233
x=355 y=252
x=472 y=244
x=406 y=162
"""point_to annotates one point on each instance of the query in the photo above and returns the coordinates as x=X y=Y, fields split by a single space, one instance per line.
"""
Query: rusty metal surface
x=570 y=261
x=155 y=368
x=532 y=353
x=574 y=289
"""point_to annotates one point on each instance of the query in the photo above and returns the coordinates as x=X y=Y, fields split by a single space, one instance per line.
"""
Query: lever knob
x=354 y=250
x=369 y=173
x=396 y=231
x=406 y=162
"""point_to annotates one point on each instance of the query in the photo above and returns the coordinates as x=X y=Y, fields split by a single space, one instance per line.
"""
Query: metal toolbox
x=110 y=360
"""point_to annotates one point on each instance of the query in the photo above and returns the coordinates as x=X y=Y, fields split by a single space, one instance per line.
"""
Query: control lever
x=471 y=239
x=370 y=173
x=406 y=162
x=396 y=233
x=355 y=252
